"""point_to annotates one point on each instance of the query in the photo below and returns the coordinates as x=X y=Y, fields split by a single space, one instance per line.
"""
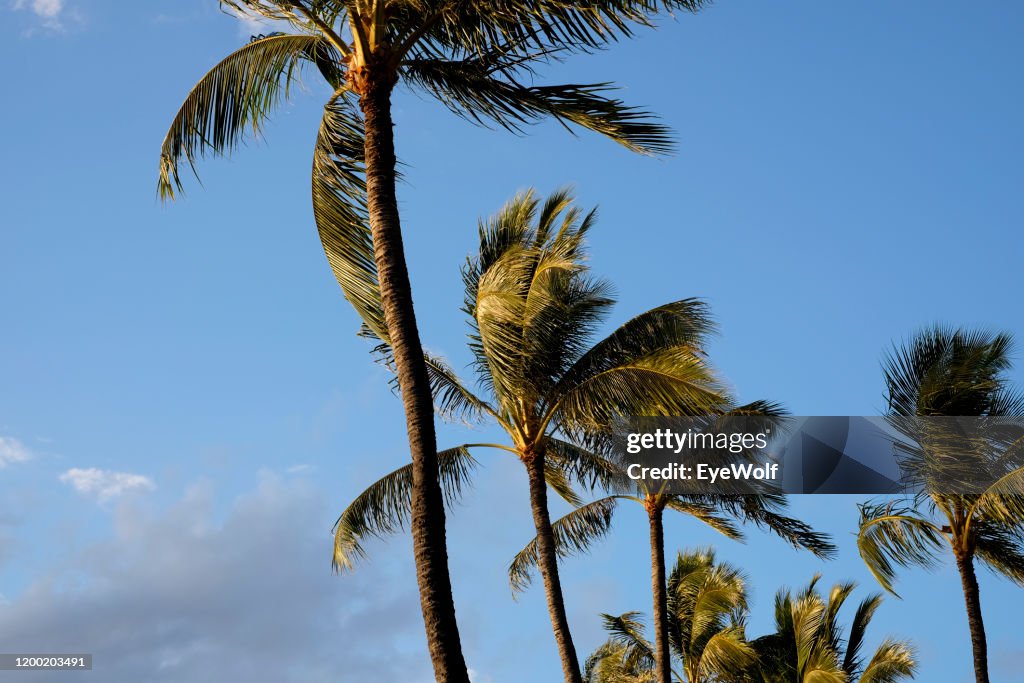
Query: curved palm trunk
x=972 y=597
x=547 y=562
x=659 y=590
x=428 y=518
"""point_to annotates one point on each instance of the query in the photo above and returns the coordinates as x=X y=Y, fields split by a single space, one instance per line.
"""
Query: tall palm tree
x=533 y=309
x=946 y=372
x=707 y=605
x=808 y=646
x=576 y=530
x=476 y=58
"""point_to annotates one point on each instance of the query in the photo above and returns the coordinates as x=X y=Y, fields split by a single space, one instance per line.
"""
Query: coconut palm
x=706 y=608
x=477 y=58
x=579 y=528
x=533 y=309
x=808 y=646
x=946 y=372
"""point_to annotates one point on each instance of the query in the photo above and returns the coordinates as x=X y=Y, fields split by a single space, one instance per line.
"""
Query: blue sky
x=185 y=408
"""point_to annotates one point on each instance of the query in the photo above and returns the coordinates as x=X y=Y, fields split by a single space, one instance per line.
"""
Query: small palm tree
x=477 y=59
x=945 y=372
x=808 y=646
x=707 y=603
x=533 y=310
x=578 y=529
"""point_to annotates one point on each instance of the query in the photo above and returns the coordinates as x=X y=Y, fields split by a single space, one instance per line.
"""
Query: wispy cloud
x=104 y=484
x=12 y=451
x=49 y=11
x=299 y=469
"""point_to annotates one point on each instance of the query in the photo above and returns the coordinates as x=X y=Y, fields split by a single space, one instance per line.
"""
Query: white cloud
x=49 y=11
x=299 y=469
x=188 y=595
x=104 y=484
x=12 y=451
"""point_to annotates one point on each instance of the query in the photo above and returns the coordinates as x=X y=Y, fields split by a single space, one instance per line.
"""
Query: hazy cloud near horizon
x=178 y=596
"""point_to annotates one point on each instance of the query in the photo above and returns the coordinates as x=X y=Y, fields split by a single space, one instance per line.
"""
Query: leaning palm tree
x=477 y=59
x=945 y=372
x=706 y=613
x=533 y=309
x=578 y=529
x=808 y=645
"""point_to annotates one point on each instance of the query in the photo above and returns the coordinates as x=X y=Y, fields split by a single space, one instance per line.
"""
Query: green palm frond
x=573 y=534
x=1003 y=502
x=726 y=653
x=585 y=467
x=945 y=371
x=385 y=506
x=339 y=208
x=852 y=663
x=669 y=381
x=627 y=631
x=1001 y=549
x=891 y=536
x=707 y=513
x=233 y=99
x=678 y=324
x=481 y=92
x=893 y=661
x=762 y=511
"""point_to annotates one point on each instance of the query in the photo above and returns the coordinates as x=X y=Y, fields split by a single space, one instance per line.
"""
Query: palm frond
x=234 y=98
x=893 y=661
x=573 y=534
x=1001 y=549
x=339 y=208
x=852 y=663
x=890 y=536
x=473 y=89
x=385 y=506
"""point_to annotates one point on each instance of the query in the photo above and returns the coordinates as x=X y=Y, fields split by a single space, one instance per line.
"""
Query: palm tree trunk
x=972 y=596
x=659 y=589
x=428 y=518
x=547 y=562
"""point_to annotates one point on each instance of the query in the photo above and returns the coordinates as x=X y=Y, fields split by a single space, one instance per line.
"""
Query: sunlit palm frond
x=339 y=208
x=678 y=324
x=385 y=506
x=573 y=534
x=668 y=381
x=893 y=661
x=233 y=99
x=891 y=536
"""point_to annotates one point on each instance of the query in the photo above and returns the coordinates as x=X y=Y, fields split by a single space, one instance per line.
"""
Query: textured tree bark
x=547 y=562
x=659 y=590
x=972 y=597
x=428 y=515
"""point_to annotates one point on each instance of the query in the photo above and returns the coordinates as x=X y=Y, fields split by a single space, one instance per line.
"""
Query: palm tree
x=533 y=309
x=946 y=372
x=475 y=57
x=706 y=612
x=576 y=530
x=808 y=646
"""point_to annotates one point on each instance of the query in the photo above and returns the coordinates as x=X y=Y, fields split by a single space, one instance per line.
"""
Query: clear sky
x=848 y=172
